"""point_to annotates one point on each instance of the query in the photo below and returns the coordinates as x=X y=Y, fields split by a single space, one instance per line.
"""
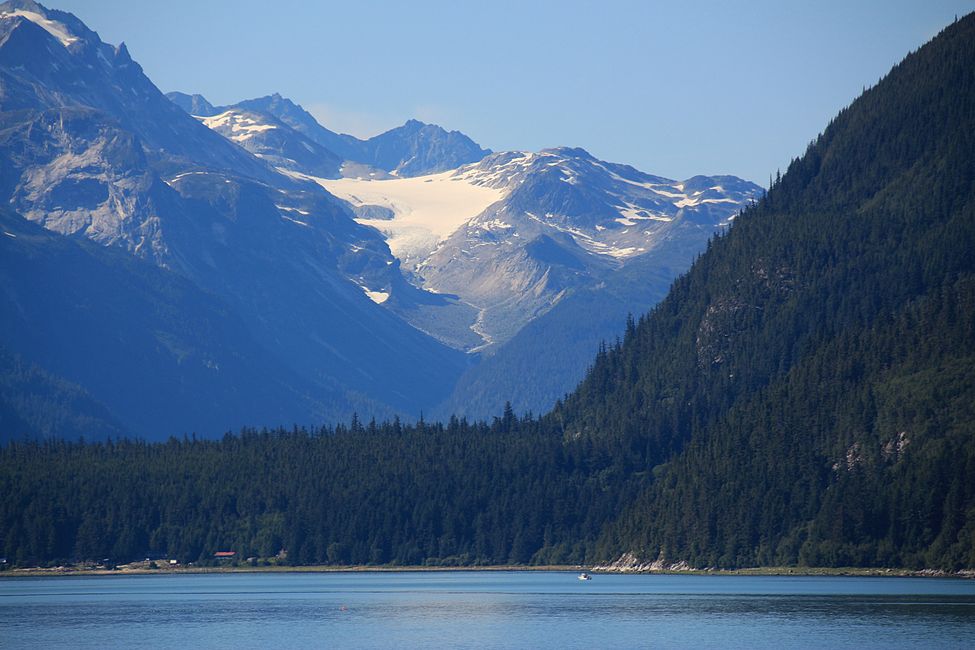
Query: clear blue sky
x=672 y=88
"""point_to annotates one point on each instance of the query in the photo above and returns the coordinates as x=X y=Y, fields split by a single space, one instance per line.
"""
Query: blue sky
x=672 y=88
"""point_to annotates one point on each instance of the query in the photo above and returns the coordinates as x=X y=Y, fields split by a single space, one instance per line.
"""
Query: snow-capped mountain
x=512 y=235
x=274 y=142
x=343 y=145
x=413 y=149
x=603 y=241
x=609 y=209
x=91 y=149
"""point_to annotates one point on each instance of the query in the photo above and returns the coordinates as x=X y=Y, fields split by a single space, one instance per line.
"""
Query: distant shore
x=142 y=568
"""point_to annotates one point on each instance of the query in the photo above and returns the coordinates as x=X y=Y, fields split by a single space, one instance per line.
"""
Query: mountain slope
x=274 y=142
x=345 y=146
x=413 y=149
x=549 y=356
x=803 y=395
x=69 y=67
x=37 y=404
x=162 y=356
x=193 y=104
x=92 y=150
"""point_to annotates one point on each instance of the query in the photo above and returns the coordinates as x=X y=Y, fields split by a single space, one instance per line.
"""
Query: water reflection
x=464 y=609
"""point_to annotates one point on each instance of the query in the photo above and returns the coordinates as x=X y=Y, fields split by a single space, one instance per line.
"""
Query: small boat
x=585 y=576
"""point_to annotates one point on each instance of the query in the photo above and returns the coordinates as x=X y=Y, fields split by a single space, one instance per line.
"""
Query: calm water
x=484 y=610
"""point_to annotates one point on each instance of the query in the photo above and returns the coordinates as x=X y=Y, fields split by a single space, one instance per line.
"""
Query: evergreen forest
x=804 y=396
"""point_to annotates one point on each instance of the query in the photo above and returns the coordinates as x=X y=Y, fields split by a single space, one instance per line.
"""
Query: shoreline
x=795 y=572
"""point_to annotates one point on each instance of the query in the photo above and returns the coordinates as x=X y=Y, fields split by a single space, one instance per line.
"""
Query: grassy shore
x=143 y=568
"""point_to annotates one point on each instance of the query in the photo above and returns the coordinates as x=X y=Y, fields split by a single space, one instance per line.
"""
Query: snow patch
x=495 y=224
x=241 y=126
x=178 y=177
x=426 y=209
x=304 y=213
x=297 y=221
x=52 y=27
x=378 y=297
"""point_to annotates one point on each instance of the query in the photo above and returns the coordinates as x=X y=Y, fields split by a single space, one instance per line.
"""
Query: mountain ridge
x=412 y=149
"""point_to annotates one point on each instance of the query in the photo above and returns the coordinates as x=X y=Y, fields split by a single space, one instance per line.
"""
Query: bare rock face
x=92 y=150
x=91 y=179
x=630 y=563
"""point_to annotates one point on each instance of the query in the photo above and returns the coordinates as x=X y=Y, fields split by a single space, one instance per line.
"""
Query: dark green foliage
x=425 y=494
x=807 y=388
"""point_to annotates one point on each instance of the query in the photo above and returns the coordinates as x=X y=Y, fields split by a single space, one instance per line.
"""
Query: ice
x=426 y=209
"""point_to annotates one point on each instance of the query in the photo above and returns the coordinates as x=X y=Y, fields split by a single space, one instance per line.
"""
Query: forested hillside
x=805 y=395
x=808 y=387
x=457 y=494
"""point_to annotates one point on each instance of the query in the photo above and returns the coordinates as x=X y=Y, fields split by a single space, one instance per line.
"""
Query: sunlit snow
x=241 y=126
x=52 y=27
x=426 y=209
x=378 y=297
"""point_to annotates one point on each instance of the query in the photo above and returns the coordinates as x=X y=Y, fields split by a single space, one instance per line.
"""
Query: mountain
x=514 y=234
x=804 y=394
x=501 y=242
x=90 y=149
x=568 y=220
x=193 y=104
x=413 y=149
x=345 y=146
x=538 y=258
x=51 y=62
x=274 y=142
x=225 y=201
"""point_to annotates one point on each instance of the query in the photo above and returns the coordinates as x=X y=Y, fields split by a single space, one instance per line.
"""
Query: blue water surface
x=480 y=609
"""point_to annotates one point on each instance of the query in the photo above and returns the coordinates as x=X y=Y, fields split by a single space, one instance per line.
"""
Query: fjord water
x=467 y=609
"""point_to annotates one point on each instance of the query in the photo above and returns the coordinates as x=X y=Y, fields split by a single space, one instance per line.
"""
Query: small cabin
x=225 y=555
